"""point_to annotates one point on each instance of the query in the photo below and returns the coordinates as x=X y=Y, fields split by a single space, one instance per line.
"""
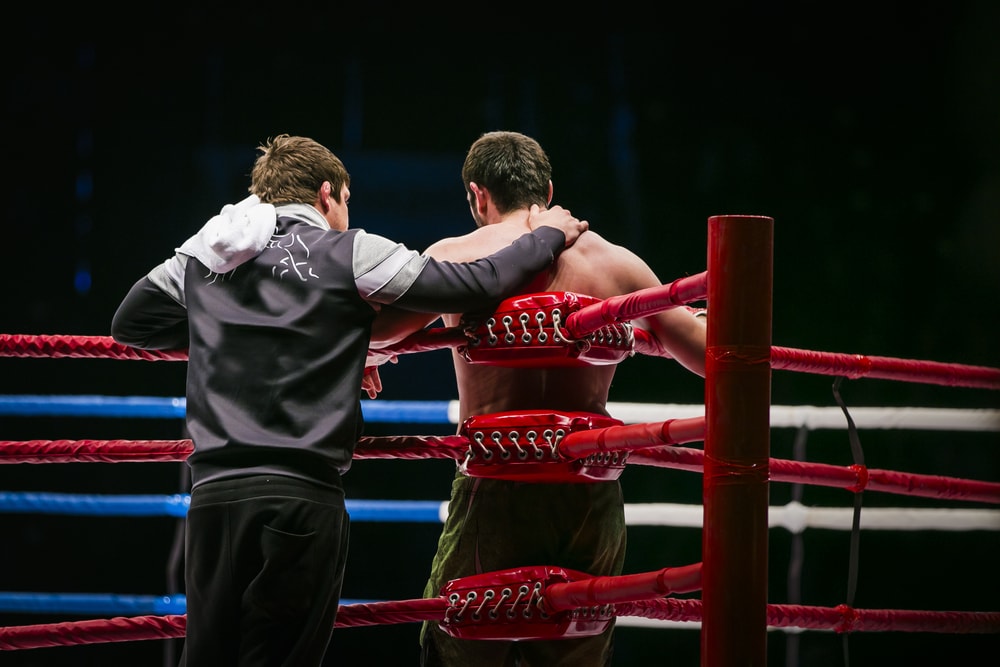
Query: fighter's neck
x=518 y=218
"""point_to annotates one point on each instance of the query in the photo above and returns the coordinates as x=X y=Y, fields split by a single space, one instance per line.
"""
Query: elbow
x=123 y=336
x=128 y=333
x=120 y=333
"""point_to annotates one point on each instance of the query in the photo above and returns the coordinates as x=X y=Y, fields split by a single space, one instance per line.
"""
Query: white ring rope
x=796 y=517
x=816 y=418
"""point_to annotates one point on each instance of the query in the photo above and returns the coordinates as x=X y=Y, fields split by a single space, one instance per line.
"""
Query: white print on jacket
x=288 y=243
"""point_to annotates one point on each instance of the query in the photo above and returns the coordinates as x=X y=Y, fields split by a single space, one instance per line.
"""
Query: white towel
x=239 y=233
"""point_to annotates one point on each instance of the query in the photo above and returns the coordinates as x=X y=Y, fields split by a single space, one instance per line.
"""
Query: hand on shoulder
x=559 y=218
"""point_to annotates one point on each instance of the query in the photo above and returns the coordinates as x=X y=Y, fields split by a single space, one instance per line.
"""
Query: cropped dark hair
x=512 y=166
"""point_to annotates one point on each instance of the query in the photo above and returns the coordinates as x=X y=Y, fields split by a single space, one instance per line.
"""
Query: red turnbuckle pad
x=523 y=446
x=529 y=331
x=510 y=605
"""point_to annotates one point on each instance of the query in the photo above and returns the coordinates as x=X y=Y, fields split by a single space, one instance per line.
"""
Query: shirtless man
x=497 y=524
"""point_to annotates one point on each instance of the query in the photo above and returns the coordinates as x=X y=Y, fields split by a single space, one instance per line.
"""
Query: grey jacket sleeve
x=388 y=273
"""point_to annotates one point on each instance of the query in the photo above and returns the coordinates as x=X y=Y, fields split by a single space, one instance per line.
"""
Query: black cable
x=859 y=460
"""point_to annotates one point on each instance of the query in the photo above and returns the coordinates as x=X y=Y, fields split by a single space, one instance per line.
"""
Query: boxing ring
x=724 y=596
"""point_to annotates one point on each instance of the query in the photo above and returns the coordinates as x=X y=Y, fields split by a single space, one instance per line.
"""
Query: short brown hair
x=292 y=169
x=512 y=166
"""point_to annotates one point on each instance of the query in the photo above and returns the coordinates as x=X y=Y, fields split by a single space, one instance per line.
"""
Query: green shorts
x=498 y=525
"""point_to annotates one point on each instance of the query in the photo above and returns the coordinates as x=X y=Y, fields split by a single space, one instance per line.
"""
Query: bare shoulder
x=594 y=247
x=447 y=248
x=592 y=241
x=478 y=243
x=596 y=266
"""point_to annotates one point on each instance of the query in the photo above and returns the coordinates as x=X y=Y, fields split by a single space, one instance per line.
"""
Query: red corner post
x=737 y=441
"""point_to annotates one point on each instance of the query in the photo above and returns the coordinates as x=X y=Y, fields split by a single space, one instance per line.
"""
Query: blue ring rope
x=157 y=407
x=100 y=603
x=176 y=505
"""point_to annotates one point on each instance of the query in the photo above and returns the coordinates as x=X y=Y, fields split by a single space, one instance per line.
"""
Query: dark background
x=870 y=135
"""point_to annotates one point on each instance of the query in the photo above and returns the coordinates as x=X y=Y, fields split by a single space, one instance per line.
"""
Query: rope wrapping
x=79 y=347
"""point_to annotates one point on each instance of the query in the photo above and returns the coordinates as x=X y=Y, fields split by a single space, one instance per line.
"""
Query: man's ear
x=551 y=190
x=322 y=201
x=481 y=196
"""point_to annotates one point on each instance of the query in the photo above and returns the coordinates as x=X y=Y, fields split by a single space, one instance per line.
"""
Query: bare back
x=592 y=266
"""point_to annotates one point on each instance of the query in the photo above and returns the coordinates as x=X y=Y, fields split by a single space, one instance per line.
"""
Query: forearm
x=393 y=325
x=446 y=287
x=681 y=335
